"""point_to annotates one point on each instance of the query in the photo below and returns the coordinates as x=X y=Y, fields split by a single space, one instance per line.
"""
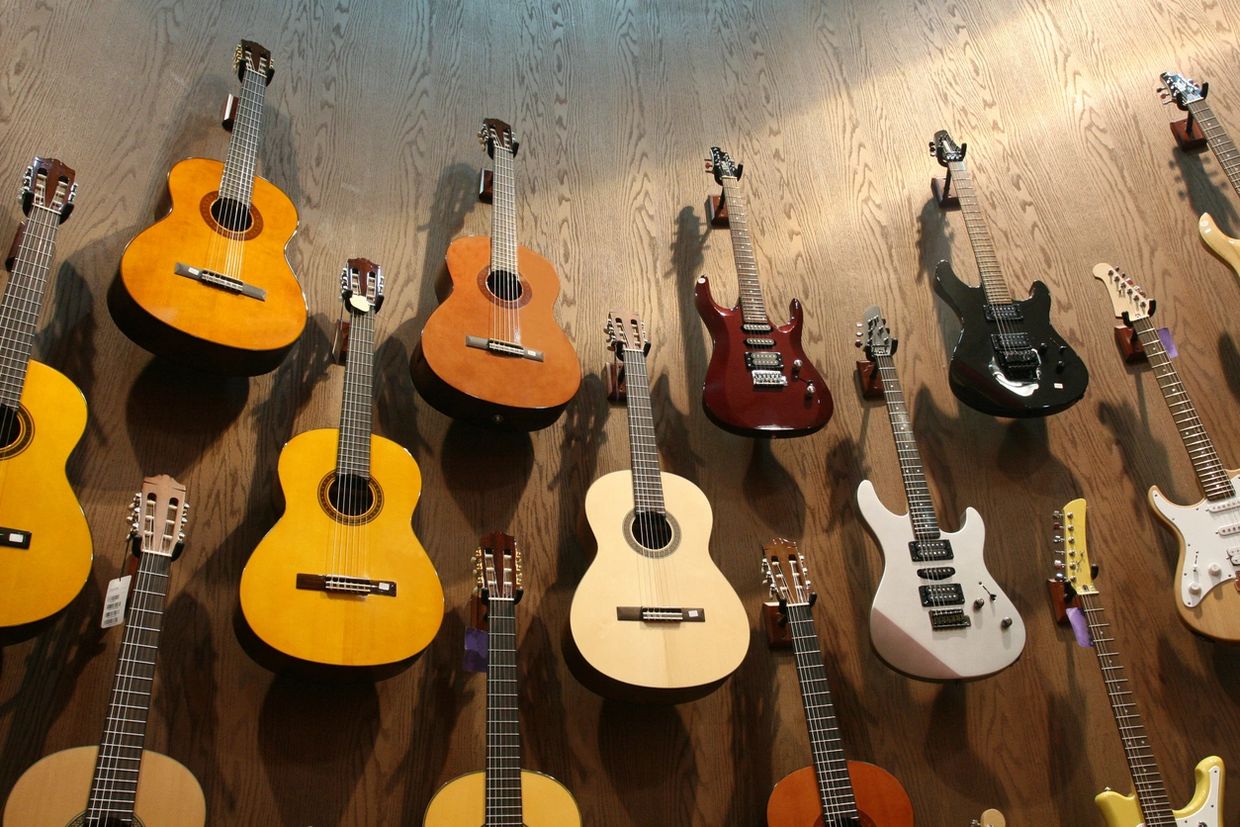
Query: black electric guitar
x=1009 y=361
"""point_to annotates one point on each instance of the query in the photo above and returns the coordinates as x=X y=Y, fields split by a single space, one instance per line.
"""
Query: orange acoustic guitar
x=492 y=353
x=209 y=285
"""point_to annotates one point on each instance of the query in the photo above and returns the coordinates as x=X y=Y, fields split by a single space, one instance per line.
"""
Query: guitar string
x=993 y=287
x=752 y=302
x=508 y=280
x=652 y=510
x=641 y=522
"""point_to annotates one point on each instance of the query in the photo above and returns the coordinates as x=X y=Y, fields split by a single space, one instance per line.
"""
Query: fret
x=1220 y=142
x=237 y=181
x=979 y=236
x=356 y=404
x=503 y=211
x=23 y=301
x=753 y=307
x=503 y=767
x=916 y=490
x=643 y=447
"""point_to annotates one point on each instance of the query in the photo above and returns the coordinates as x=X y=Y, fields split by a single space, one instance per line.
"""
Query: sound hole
x=504 y=285
x=231 y=214
x=652 y=530
x=351 y=495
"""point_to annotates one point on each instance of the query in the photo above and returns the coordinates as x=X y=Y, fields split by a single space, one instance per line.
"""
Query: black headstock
x=945 y=149
x=721 y=165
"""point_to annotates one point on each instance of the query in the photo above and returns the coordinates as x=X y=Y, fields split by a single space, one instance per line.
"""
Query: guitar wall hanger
x=941 y=186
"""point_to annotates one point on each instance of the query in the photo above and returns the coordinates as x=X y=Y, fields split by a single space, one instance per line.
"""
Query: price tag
x=114 y=601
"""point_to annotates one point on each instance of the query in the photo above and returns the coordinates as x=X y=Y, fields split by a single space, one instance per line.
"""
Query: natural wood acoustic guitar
x=493 y=353
x=119 y=782
x=503 y=795
x=45 y=547
x=341 y=579
x=209 y=284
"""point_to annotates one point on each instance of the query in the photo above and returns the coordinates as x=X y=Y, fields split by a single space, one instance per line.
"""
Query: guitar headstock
x=1072 y=564
x=1128 y=299
x=945 y=149
x=496 y=133
x=49 y=183
x=252 y=57
x=361 y=286
x=990 y=818
x=497 y=567
x=158 y=516
x=626 y=331
x=785 y=574
x=1181 y=90
x=873 y=335
x=721 y=165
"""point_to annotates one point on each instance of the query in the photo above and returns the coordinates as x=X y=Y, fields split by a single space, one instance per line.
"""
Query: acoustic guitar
x=759 y=381
x=1209 y=558
x=1149 y=805
x=209 y=284
x=45 y=547
x=492 y=353
x=938 y=613
x=1009 y=360
x=653 y=616
x=120 y=782
x=341 y=579
x=503 y=795
x=833 y=790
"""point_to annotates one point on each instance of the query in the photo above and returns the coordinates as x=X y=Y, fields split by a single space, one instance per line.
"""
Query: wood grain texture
x=369 y=130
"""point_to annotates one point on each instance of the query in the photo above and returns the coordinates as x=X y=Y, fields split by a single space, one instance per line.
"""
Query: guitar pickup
x=343 y=584
x=214 y=279
x=504 y=348
x=755 y=327
x=1010 y=312
x=769 y=378
x=759 y=341
x=764 y=360
x=660 y=614
x=943 y=594
x=14 y=538
x=949 y=619
x=936 y=573
x=929 y=551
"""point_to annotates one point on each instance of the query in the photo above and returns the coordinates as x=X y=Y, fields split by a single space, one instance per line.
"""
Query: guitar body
x=35 y=497
x=900 y=625
x=974 y=374
x=481 y=386
x=208 y=327
x=53 y=792
x=652 y=658
x=1222 y=245
x=881 y=799
x=545 y=802
x=729 y=395
x=1204 y=810
x=1208 y=559
x=334 y=628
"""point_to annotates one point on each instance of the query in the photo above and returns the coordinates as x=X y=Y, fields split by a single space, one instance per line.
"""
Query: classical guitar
x=653 y=615
x=492 y=353
x=45 y=548
x=1209 y=555
x=209 y=284
x=341 y=579
x=1148 y=806
x=1008 y=361
x=833 y=790
x=938 y=613
x=759 y=381
x=119 y=782
x=502 y=795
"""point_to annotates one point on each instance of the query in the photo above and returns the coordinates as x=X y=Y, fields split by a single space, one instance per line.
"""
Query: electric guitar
x=209 y=284
x=492 y=353
x=1148 y=806
x=45 y=547
x=503 y=795
x=1008 y=361
x=759 y=381
x=833 y=790
x=938 y=613
x=1209 y=553
x=119 y=782
x=653 y=615
x=341 y=579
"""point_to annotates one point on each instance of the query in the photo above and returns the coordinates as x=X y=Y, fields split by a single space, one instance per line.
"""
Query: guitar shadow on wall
x=947 y=746
x=456 y=193
x=486 y=471
x=543 y=703
x=772 y=494
x=665 y=779
x=1229 y=362
x=934 y=245
x=672 y=427
x=1145 y=459
x=1203 y=195
x=688 y=243
x=754 y=715
x=584 y=434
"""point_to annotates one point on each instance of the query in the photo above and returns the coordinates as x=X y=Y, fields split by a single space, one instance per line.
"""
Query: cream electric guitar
x=653 y=615
x=938 y=614
x=1149 y=805
x=1209 y=530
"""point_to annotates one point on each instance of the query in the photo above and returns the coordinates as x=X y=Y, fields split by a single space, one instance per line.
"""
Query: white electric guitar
x=1209 y=530
x=938 y=614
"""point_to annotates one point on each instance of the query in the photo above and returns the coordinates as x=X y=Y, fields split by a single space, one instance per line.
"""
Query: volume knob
x=809 y=389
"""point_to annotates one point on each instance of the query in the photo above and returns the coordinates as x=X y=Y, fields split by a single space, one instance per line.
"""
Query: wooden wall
x=370 y=129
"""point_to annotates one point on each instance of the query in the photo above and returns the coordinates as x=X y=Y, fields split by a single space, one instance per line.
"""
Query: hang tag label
x=114 y=601
x=476 y=649
x=1164 y=336
x=1080 y=627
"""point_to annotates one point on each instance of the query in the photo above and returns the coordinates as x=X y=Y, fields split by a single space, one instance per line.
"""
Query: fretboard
x=1211 y=475
x=979 y=235
x=920 y=506
x=237 y=182
x=356 y=405
x=115 y=782
x=753 y=307
x=1216 y=136
x=643 y=449
x=503 y=770
x=835 y=791
x=504 y=213
x=23 y=301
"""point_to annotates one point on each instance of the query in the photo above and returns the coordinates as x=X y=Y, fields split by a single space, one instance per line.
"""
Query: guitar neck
x=114 y=785
x=643 y=449
x=1210 y=472
x=835 y=792
x=1220 y=143
x=979 y=235
x=23 y=300
x=504 y=212
x=356 y=405
x=503 y=769
x=920 y=505
x=237 y=182
x=753 y=307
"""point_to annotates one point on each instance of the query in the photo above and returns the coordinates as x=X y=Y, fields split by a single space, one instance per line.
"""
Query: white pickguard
x=1210 y=813
x=1210 y=532
x=900 y=626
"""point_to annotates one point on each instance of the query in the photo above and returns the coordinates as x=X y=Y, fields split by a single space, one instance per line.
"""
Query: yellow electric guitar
x=1148 y=805
x=503 y=795
x=45 y=548
x=341 y=579
x=118 y=782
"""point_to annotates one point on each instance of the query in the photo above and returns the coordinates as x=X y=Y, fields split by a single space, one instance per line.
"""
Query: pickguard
x=1210 y=531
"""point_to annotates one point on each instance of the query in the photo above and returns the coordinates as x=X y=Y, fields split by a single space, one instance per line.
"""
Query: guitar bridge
x=504 y=348
x=223 y=282
x=343 y=584
x=660 y=614
x=949 y=619
x=1017 y=355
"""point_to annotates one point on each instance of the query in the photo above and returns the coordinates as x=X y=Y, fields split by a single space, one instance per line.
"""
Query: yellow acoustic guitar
x=119 y=782
x=45 y=548
x=504 y=795
x=209 y=285
x=341 y=579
